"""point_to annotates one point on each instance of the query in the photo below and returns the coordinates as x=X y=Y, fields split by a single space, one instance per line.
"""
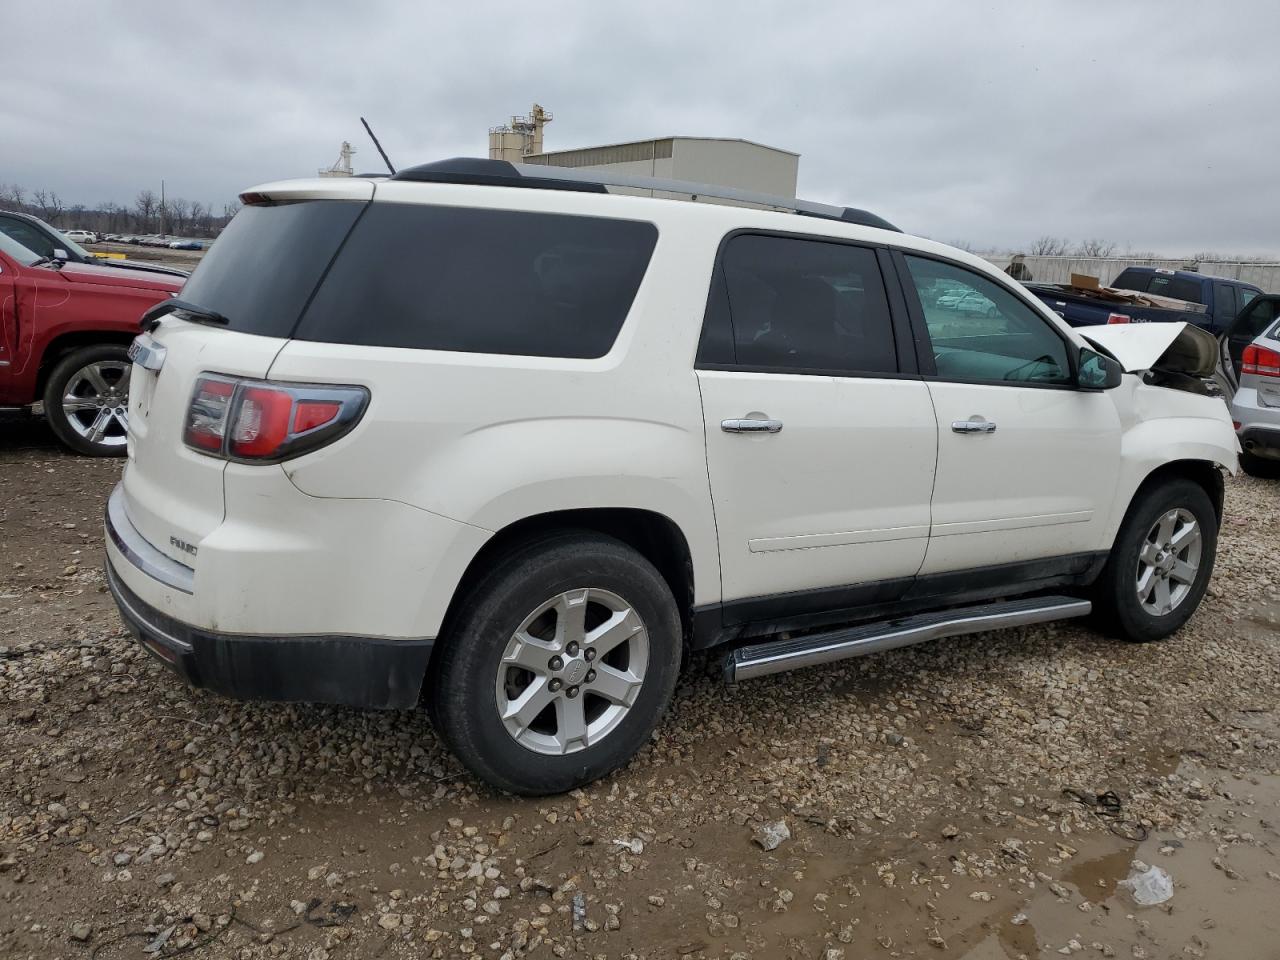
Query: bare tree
x=144 y=210
x=1095 y=248
x=199 y=218
x=49 y=205
x=179 y=211
x=13 y=197
x=1048 y=246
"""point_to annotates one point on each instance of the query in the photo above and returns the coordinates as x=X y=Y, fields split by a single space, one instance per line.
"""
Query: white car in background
x=509 y=441
x=80 y=236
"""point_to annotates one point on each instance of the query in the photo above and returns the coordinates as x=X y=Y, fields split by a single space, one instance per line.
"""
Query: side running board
x=815 y=648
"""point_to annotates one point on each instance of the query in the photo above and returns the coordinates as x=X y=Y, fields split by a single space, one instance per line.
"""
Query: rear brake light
x=1119 y=318
x=207 y=414
x=1260 y=361
x=264 y=421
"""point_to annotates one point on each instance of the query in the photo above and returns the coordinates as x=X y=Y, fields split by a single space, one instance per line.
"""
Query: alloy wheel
x=96 y=402
x=571 y=672
x=1169 y=561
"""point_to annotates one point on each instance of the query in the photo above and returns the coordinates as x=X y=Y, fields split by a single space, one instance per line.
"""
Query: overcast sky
x=1150 y=124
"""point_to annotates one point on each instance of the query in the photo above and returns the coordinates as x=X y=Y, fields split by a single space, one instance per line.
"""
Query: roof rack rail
x=503 y=173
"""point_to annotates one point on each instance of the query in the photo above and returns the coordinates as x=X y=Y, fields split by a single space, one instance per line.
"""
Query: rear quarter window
x=482 y=281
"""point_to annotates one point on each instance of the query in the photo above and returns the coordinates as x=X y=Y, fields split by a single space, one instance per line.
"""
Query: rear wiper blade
x=189 y=311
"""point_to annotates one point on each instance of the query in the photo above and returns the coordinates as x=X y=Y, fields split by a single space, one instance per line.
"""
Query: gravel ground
x=922 y=792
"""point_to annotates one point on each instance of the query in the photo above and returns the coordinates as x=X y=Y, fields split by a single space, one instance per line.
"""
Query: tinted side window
x=27 y=235
x=1246 y=296
x=980 y=331
x=482 y=281
x=809 y=305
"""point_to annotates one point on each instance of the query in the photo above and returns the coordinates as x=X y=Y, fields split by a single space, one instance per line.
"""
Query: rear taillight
x=258 y=420
x=1119 y=318
x=207 y=414
x=1260 y=361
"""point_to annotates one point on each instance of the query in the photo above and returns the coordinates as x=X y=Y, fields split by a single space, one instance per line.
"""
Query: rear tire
x=86 y=400
x=1161 y=562
x=527 y=707
x=1261 y=467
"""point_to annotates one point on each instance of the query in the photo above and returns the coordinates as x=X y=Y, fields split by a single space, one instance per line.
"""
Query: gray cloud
x=1148 y=124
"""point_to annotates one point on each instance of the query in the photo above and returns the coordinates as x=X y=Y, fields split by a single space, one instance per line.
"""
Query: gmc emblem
x=183 y=545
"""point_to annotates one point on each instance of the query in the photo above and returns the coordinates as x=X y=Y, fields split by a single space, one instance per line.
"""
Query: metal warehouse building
x=726 y=162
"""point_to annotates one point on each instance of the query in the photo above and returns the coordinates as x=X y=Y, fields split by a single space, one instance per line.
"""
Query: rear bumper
x=1262 y=441
x=1259 y=431
x=353 y=671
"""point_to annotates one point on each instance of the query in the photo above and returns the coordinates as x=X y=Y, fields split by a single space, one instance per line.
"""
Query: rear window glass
x=482 y=281
x=268 y=261
x=1162 y=285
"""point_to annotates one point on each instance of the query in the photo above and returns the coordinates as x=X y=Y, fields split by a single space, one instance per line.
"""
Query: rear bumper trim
x=1259 y=435
x=350 y=671
x=140 y=552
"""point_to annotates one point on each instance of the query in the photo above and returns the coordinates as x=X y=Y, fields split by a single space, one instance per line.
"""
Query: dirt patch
x=923 y=790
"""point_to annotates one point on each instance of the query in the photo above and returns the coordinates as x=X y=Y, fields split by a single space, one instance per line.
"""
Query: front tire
x=557 y=665
x=86 y=400
x=1161 y=562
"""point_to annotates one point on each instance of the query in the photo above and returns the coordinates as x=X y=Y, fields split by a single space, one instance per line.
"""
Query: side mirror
x=60 y=255
x=1096 y=372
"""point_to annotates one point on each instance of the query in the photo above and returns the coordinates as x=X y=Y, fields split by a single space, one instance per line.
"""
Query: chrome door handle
x=973 y=425
x=751 y=426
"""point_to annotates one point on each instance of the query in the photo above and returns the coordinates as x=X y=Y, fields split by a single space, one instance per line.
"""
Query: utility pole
x=163 y=226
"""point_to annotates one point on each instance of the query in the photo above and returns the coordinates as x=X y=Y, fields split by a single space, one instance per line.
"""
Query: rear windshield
x=481 y=281
x=268 y=261
x=1161 y=284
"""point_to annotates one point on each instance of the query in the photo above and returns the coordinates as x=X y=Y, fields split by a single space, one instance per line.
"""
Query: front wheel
x=86 y=400
x=558 y=664
x=1161 y=562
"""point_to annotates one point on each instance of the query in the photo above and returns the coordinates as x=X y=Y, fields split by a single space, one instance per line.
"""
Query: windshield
x=13 y=248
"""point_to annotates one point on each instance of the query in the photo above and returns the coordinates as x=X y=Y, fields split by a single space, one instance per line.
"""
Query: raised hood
x=1176 y=347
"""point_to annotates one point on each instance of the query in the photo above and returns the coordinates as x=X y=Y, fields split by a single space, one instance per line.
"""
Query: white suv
x=515 y=439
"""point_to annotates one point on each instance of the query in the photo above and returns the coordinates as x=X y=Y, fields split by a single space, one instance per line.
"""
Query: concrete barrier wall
x=1106 y=269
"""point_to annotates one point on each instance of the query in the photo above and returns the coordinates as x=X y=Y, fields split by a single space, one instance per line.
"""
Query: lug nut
x=555 y=685
x=573 y=648
x=555 y=663
x=589 y=654
x=571 y=692
x=591 y=675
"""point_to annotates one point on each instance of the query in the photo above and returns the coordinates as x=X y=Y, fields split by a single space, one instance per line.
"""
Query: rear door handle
x=973 y=425
x=751 y=426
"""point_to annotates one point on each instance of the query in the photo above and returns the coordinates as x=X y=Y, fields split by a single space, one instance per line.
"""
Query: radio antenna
x=385 y=159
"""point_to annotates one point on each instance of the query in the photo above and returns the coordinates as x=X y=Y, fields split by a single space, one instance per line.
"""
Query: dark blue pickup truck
x=1211 y=302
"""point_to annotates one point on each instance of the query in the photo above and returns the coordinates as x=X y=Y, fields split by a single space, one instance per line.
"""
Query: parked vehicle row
x=516 y=442
x=49 y=243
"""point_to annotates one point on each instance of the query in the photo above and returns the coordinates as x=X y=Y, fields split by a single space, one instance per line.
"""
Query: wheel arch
x=66 y=343
x=654 y=536
x=1206 y=474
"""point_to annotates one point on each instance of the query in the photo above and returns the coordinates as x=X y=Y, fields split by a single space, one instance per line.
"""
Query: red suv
x=64 y=332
